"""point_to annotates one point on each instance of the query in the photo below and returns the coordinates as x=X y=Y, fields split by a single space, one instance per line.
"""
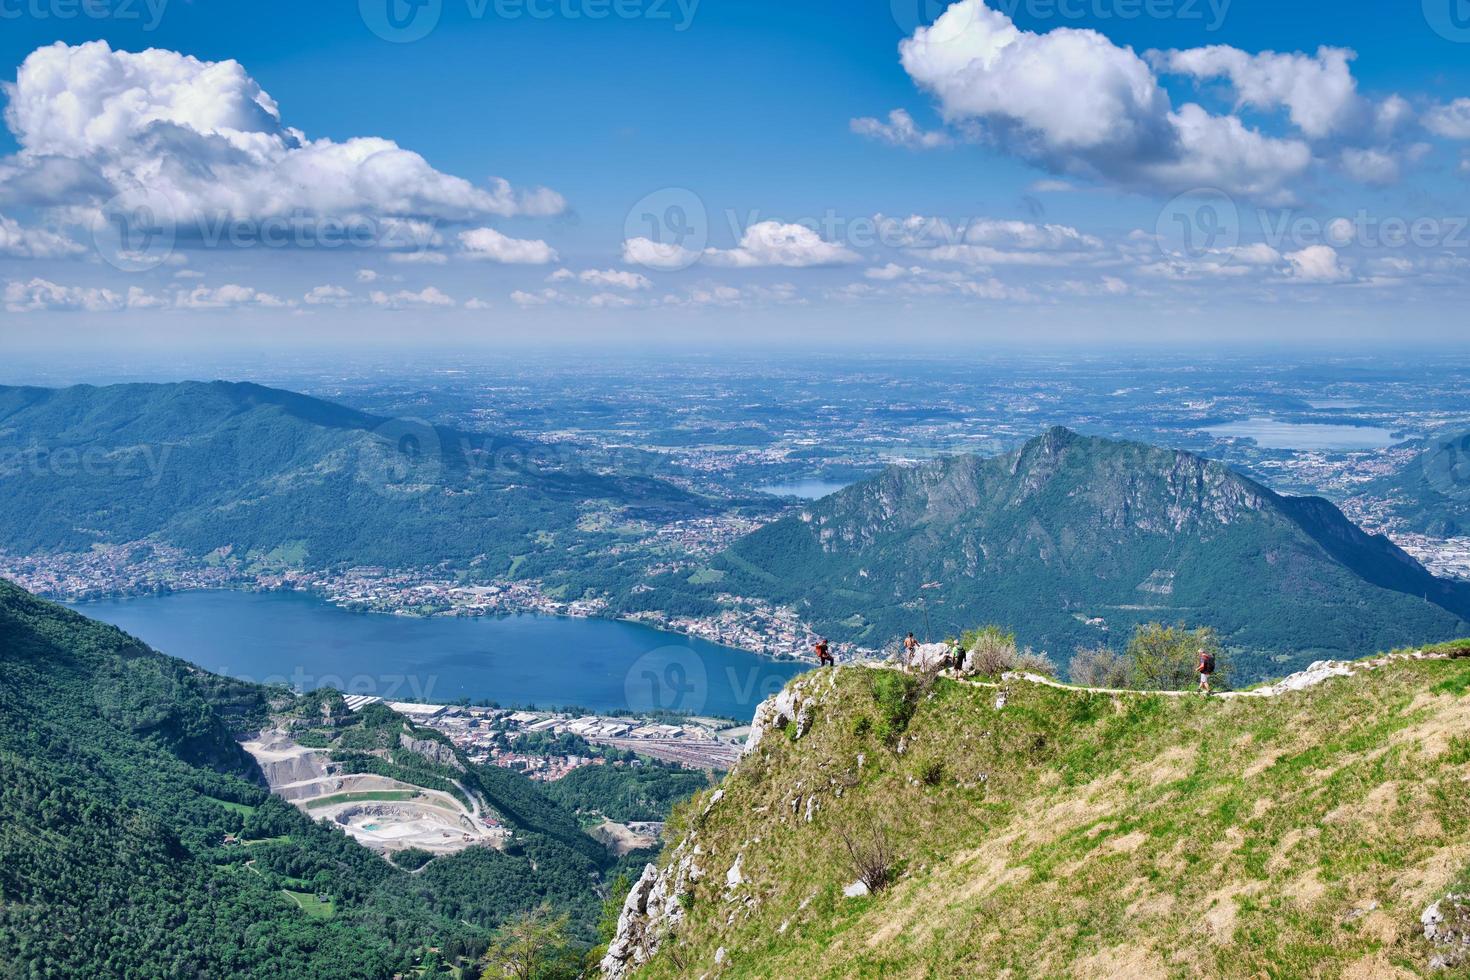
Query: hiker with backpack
x=1205 y=668
x=910 y=646
x=824 y=654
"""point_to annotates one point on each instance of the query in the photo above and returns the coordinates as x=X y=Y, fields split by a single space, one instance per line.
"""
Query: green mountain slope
x=1432 y=494
x=1071 y=529
x=264 y=471
x=120 y=777
x=1043 y=832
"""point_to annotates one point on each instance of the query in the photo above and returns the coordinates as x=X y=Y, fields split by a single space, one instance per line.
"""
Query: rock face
x=932 y=656
x=436 y=752
x=1447 y=926
x=793 y=704
x=652 y=911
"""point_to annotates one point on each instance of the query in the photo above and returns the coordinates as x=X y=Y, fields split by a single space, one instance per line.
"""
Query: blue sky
x=1029 y=190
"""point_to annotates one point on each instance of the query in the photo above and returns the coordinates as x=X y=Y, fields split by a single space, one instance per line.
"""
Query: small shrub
x=1099 y=667
x=1163 y=658
x=1030 y=662
x=896 y=695
x=993 y=652
x=931 y=772
x=862 y=726
x=872 y=857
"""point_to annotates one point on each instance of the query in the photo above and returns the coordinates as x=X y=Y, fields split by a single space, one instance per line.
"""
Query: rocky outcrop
x=793 y=705
x=932 y=656
x=436 y=752
x=1447 y=925
x=653 y=910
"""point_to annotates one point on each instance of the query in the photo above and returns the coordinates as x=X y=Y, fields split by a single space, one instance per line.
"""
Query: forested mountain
x=120 y=782
x=1075 y=540
x=269 y=473
x=1432 y=494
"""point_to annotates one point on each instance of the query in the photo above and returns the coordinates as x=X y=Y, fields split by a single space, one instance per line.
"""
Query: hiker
x=824 y=654
x=910 y=646
x=1206 y=668
x=957 y=660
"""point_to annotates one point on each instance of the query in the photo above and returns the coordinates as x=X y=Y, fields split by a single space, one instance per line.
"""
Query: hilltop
x=1029 y=830
x=278 y=477
x=1078 y=539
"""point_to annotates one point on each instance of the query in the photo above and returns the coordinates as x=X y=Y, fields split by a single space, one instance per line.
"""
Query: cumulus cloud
x=17 y=241
x=427 y=297
x=1076 y=103
x=37 y=295
x=658 y=255
x=618 y=278
x=327 y=296
x=193 y=140
x=1451 y=121
x=1318 y=91
x=492 y=246
x=772 y=243
x=1317 y=264
x=230 y=296
x=900 y=130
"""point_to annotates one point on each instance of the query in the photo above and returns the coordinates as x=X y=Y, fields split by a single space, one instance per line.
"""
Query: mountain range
x=1074 y=540
x=273 y=475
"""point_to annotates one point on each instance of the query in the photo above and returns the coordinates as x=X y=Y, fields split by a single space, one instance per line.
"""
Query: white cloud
x=197 y=140
x=603 y=277
x=1075 y=102
x=492 y=246
x=475 y=303
x=37 y=295
x=429 y=296
x=1051 y=186
x=367 y=275
x=229 y=296
x=1317 y=264
x=771 y=243
x=1318 y=92
x=658 y=255
x=1370 y=166
x=17 y=241
x=1451 y=121
x=327 y=296
x=900 y=130
x=423 y=257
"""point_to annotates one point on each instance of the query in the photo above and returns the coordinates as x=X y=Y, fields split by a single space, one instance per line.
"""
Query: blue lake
x=296 y=639
x=810 y=488
x=1272 y=434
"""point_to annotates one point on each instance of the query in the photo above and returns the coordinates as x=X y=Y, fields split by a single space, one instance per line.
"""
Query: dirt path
x=1316 y=674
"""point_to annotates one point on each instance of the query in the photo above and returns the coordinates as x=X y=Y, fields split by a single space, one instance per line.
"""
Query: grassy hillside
x=1076 y=540
x=277 y=475
x=1060 y=833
